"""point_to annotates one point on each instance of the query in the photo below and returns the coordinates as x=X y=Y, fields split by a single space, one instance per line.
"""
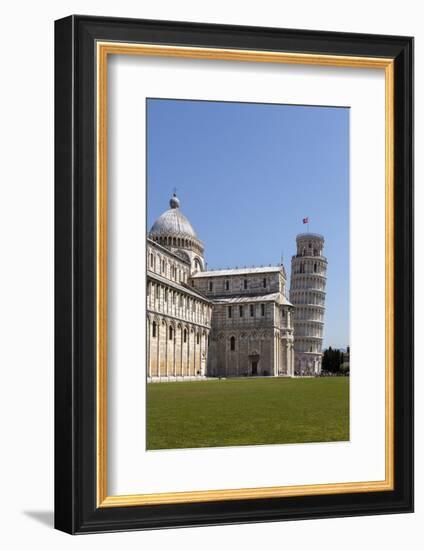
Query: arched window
x=315 y=268
x=171 y=332
x=163 y=266
x=185 y=336
x=154 y=329
x=198 y=339
x=232 y=343
x=151 y=260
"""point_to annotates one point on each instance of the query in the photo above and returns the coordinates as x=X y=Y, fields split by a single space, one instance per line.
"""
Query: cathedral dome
x=172 y=223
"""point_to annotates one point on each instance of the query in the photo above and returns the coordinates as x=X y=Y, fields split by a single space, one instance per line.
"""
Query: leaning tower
x=307 y=294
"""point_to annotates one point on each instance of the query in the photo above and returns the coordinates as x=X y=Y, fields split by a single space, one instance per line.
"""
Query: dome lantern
x=174 y=202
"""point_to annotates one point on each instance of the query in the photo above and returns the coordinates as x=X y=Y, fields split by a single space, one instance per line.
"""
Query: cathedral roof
x=172 y=223
x=274 y=297
x=238 y=271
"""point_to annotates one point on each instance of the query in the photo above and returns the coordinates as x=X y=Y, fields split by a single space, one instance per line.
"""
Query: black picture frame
x=76 y=510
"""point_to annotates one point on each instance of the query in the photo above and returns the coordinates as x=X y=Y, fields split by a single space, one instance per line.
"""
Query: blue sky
x=247 y=174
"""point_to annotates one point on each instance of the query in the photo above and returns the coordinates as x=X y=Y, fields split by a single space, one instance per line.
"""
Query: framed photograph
x=234 y=274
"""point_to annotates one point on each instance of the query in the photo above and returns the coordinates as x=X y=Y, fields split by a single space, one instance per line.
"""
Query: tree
x=332 y=360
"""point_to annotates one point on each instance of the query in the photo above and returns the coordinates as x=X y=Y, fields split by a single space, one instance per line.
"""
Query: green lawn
x=256 y=411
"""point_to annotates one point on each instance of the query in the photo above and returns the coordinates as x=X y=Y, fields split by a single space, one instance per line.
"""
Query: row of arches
x=311 y=297
x=172 y=241
x=172 y=302
x=306 y=346
x=307 y=330
x=309 y=251
x=303 y=313
x=176 y=349
x=307 y=366
x=310 y=282
x=310 y=267
x=307 y=247
x=178 y=242
x=162 y=265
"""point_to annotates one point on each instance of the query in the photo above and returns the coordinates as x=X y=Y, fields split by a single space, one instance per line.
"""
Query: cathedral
x=230 y=322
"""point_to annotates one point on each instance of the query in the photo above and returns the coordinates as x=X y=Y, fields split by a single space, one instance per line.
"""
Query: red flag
x=306 y=220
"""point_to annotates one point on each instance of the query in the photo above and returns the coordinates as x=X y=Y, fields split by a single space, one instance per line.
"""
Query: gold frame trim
x=104 y=49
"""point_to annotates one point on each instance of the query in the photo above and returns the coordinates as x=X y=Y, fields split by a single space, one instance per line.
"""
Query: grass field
x=255 y=411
